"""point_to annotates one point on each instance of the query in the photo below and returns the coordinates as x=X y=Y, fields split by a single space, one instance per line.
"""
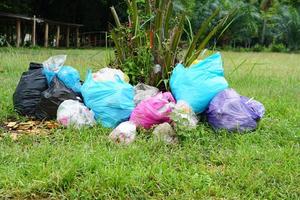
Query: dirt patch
x=16 y=129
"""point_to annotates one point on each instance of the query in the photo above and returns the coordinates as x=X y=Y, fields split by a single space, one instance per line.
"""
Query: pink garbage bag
x=153 y=110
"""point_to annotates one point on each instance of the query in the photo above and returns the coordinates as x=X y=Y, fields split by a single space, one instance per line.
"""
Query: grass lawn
x=73 y=164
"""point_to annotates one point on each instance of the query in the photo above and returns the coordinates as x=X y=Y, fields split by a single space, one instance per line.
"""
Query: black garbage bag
x=28 y=92
x=52 y=98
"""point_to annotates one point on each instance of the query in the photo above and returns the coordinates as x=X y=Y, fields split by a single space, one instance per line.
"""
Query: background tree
x=257 y=22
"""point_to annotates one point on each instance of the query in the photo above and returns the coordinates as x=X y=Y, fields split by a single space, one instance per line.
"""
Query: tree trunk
x=262 y=41
x=18 y=33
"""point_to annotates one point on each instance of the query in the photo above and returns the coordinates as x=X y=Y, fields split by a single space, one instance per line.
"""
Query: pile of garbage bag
x=45 y=86
x=54 y=66
x=52 y=90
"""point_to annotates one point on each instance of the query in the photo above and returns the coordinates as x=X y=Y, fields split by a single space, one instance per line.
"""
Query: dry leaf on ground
x=16 y=129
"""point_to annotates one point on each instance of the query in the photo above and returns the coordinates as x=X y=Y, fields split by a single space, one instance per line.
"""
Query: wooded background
x=258 y=23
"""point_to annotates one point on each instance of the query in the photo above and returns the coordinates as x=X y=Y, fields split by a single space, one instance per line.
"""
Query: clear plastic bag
x=124 y=133
x=55 y=62
x=73 y=113
x=143 y=91
x=183 y=115
x=164 y=132
x=109 y=74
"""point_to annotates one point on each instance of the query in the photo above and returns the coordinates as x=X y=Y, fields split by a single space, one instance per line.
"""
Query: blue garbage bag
x=49 y=74
x=230 y=111
x=70 y=77
x=197 y=85
x=66 y=74
x=111 y=101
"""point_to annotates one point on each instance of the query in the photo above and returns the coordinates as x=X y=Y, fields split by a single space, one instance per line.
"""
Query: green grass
x=72 y=164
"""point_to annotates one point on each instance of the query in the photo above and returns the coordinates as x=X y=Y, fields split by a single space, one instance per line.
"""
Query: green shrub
x=258 y=48
x=3 y=41
x=278 y=47
x=153 y=37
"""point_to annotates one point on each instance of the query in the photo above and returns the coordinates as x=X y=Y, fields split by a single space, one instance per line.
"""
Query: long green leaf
x=119 y=48
x=234 y=16
x=190 y=33
x=205 y=41
x=168 y=16
x=174 y=43
x=157 y=3
x=135 y=16
x=203 y=28
x=148 y=7
x=157 y=33
x=116 y=17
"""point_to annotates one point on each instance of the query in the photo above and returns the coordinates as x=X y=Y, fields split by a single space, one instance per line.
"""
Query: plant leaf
x=203 y=28
x=116 y=17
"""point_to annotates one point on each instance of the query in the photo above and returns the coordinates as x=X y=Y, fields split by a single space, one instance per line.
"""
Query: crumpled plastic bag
x=183 y=115
x=143 y=91
x=75 y=114
x=111 y=101
x=230 y=111
x=70 y=77
x=54 y=63
x=109 y=74
x=124 y=133
x=52 y=66
x=52 y=98
x=197 y=85
x=255 y=106
x=154 y=110
x=67 y=74
x=164 y=132
x=28 y=92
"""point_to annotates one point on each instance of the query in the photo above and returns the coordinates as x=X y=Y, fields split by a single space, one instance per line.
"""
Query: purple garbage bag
x=228 y=110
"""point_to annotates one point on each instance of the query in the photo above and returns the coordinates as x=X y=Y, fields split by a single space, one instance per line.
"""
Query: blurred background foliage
x=273 y=24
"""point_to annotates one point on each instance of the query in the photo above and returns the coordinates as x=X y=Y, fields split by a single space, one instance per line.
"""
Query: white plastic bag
x=109 y=74
x=143 y=91
x=54 y=63
x=124 y=133
x=183 y=115
x=74 y=113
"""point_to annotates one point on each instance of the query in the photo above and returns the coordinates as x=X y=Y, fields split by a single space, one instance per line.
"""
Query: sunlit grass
x=73 y=164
